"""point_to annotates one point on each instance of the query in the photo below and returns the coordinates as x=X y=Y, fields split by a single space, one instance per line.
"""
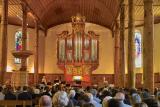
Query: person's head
x=18 y=88
x=61 y=99
x=45 y=101
x=158 y=95
x=72 y=93
x=1 y=89
x=119 y=96
x=88 y=88
x=37 y=87
x=106 y=93
x=93 y=92
x=86 y=98
x=47 y=89
x=133 y=91
x=105 y=101
x=9 y=90
x=140 y=105
x=136 y=98
x=155 y=89
x=25 y=88
x=113 y=103
x=90 y=96
x=146 y=90
x=145 y=95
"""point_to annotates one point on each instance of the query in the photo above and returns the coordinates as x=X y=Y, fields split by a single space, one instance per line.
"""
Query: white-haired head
x=60 y=99
x=45 y=101
x=120 y=96
x=63 y=98
x=72 y=93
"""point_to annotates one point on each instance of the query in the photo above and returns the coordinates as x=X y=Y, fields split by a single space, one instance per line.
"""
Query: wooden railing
x=13 y=103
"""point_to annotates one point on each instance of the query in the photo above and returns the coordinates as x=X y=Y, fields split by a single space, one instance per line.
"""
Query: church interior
x=80 y=43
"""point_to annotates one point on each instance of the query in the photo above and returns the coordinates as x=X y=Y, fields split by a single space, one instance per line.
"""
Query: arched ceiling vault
x=53 y=12
x=50 y=13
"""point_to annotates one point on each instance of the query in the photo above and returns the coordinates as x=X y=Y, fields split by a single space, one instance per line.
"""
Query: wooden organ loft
x=78 y=52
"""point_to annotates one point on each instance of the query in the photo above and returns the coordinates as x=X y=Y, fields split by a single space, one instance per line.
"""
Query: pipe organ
x=78 y=52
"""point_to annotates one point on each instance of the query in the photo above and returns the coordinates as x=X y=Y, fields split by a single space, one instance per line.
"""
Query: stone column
x=131 y=45
x=3 y=40
x=117 y=56
x=148 y=70
x=36 y=53
x=24 y=36
x=122 y=45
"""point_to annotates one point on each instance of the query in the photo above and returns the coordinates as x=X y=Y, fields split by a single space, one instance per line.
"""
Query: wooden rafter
x=50 y=13
x=43 y=27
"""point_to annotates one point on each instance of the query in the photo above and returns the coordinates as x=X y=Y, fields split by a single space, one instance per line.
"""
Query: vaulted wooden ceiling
x=54 y=12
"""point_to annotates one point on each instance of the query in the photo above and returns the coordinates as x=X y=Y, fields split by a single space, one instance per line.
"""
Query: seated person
x=9 y=94
x=95 y=103
x=1 y=93
x=25 y=95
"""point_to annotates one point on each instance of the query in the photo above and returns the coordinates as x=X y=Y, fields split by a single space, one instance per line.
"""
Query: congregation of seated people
x=62 y=95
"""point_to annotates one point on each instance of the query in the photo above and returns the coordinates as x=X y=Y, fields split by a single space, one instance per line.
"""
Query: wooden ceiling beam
x=139 y=5
x=156 y=21
x=114 y=23
x=135 y=20
x=42 y=26
x=15 y=24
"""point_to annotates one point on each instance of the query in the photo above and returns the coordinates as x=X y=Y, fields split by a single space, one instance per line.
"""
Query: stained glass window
x=138 y=50
x=18 y=45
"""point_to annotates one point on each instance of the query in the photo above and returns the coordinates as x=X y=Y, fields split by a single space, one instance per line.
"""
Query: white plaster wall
x=106 y=49
x=30 y=46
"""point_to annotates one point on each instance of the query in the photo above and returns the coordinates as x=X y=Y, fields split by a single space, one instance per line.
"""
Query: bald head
x=45 y=101
x=120 y=96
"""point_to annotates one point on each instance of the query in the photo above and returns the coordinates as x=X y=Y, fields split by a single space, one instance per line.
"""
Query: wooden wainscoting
x=95 y=78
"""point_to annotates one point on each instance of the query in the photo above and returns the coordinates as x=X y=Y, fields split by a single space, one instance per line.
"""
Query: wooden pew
x=13 y=103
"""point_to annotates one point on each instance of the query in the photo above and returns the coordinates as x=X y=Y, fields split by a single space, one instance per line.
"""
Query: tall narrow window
x=18 y=45
x=138 y=50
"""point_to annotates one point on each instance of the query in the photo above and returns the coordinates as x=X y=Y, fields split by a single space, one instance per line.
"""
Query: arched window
x=138 y=50
x=18 y=45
